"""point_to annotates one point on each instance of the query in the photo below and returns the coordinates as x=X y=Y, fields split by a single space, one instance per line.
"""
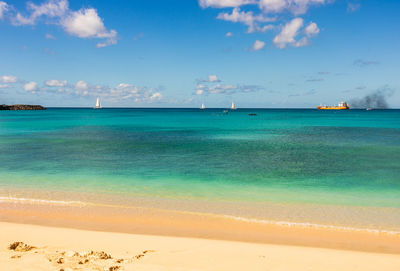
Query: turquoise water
x=335 y=158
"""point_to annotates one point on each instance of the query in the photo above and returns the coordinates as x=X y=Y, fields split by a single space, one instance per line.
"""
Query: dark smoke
x=375 y=100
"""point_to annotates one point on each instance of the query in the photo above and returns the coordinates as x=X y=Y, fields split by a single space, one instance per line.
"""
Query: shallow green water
x=349 y=158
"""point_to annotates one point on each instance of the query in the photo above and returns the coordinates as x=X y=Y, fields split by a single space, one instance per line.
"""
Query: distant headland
x=21 y=107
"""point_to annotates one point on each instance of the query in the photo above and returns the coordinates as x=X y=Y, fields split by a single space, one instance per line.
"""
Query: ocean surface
x=338 y=168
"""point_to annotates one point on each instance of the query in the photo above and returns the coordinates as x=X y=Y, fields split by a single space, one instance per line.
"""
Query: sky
x=181 y=53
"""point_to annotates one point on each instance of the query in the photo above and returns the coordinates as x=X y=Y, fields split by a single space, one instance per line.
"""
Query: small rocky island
x=21 y=107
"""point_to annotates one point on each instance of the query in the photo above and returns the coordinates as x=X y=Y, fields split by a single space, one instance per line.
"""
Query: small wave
x=237 y=218
x=42 y=201
x=311 y=225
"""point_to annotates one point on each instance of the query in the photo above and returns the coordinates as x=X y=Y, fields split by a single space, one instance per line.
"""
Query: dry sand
x=72 y=249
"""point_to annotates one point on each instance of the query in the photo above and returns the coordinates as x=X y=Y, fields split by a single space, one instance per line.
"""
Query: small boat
x=340 y=106
x=233 y=107
x=98 y=104
x=225 y=112
x=203 y=106
x=368 y=109
x=252 y=114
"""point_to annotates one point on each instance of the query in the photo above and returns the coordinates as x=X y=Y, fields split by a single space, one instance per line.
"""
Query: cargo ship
x=340 y=106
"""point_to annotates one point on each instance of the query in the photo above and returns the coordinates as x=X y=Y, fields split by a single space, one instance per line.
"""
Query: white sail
x=98 y=104
x=233 y=106
x=203 y=106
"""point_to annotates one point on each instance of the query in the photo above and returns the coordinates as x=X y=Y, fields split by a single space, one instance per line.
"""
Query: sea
x=286 y=166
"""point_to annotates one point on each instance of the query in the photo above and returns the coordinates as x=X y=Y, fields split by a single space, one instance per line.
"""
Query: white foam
x=311 y=225
x=41 y=201
x=238 y=218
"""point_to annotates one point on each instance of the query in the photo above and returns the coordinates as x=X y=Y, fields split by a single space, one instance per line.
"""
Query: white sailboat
x=233 y=107
x=203 y=106
x=98 y=104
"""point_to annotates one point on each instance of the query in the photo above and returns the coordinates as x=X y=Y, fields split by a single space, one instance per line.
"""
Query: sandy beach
x=71 y=249
x=93 y=238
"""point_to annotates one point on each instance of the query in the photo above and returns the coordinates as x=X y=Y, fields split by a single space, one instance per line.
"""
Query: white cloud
x=56 y=83
x=214 y=86
x=229 y=34
x=295 y=6
x=86 y=23
x=258 y=17
x=311 y=30
x=31 y=86
x=224 y=3
x=199 y=91
x=291 y=30
x=121 y=92
x=124 y=85
x=3 y=9
x=21 y=20
x=213 y=78
x=156 y=96
x=302 y=42
x=272 y=5
x=51 y=8
x=8 y=79
x=247 y=18
x=108 y=42
x=81 y=85
x=126 y=91
x=288 y=33
x=258 y=45
x=50 y=37
x=221 y=88
x=83 y=23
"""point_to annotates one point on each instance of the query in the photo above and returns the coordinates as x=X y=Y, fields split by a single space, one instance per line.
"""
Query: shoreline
x=378 y=219
x=302 y=224
x=72 y=249
x=153 y=221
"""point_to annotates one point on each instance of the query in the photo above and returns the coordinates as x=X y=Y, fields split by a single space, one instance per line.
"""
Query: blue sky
x=170 y=53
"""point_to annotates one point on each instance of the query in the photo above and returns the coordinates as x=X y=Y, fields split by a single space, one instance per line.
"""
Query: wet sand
x=152 y=221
